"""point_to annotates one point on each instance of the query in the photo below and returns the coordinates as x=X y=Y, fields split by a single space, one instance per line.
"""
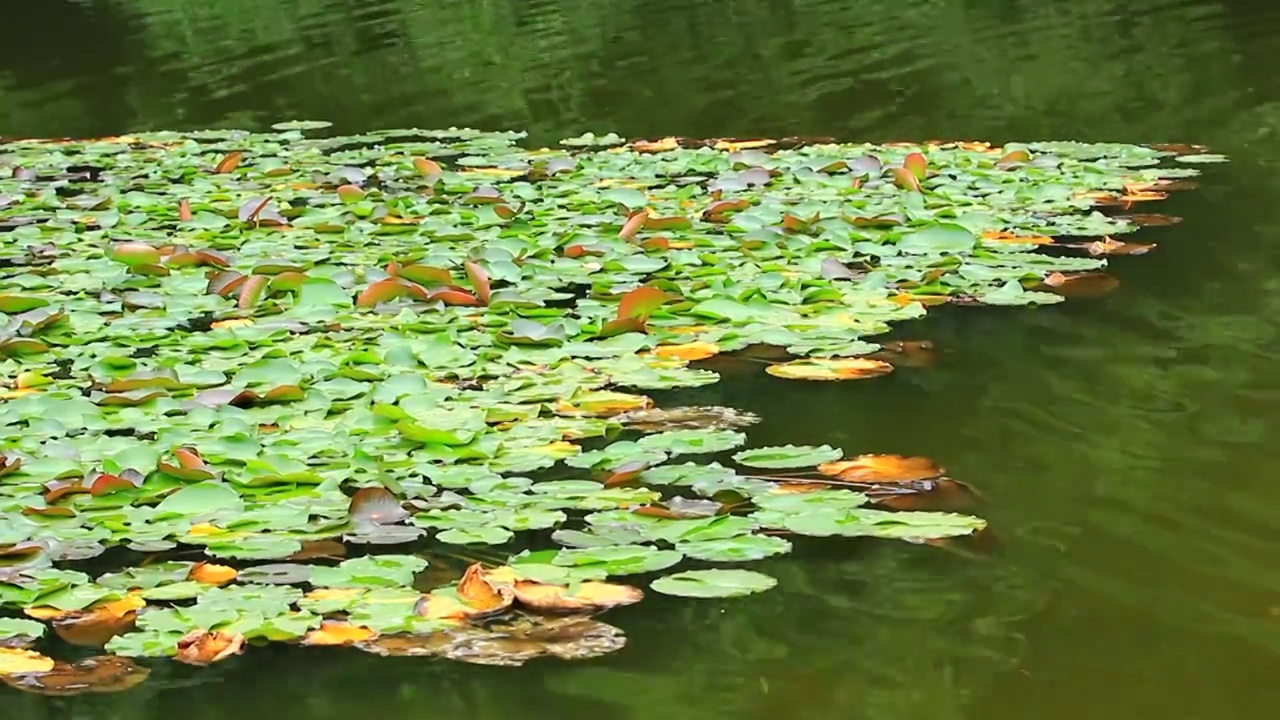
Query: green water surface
x=1125 y=446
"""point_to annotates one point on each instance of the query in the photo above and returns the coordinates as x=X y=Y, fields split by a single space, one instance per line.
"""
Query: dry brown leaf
x=475 y=590
x=881 y=469
x=1088 y=284
x=408 y=645
x=438 y=606
x=203 y=647
x=688 y=351
x=1000 y=236
x=1132 y=197
x=95 y=628
x=666 y=144
x=906 y=353
x=936 y=495
x=211 y=574
x=797 y=488
x=740 y=145
x=338 y=633
x=926 y=300
x=1111 y=246
x=587 y=597
x=231 y=323
x=1150 y=219
x=15 y=661
x=106 y=674
x=312 y=549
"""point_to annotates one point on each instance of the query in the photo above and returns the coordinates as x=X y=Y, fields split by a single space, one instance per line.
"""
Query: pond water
x=1123 y=445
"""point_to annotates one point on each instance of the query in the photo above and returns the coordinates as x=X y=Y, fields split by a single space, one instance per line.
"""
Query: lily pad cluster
x=279 y=350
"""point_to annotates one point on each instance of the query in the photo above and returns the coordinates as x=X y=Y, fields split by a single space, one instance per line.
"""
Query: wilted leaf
x=203 y=647
x=107 y=674
x=338 y=633
x=14 y=661
x=1089 y=284
x=210 y=574
x=688 y=351
x=881 y=469
x=830 y=369
x=229 y=162
x=584 y=597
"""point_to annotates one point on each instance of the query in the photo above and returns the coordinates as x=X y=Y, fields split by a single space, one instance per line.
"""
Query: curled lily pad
x=202 y=647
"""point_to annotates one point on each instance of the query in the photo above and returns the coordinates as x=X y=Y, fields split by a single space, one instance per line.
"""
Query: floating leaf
x=338 y=633
x=584 y=597
x=713 y=583
x=1093 y=284
x=736 y=549
x=202 y=647
x=388 y=290
x=105 y=674
x=14 y=661
x=787 y=456
x=229 y=162
x=688 y=351
x=830 y=369
x=210 y=574
x=881 y=469
x=620 y=559
x=19 y=633
x=699 y=441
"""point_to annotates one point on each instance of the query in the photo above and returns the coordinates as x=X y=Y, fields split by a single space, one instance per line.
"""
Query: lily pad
x=788 y=456
x=714 y=583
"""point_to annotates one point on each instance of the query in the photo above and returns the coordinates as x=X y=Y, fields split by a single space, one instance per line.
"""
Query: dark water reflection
x=1125 y=446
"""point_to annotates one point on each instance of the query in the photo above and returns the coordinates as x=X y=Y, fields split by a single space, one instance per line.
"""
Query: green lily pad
x=713 y=583
x=694 y=441
x=369 y=571
x=736 y=549
x=788 y=456
x=619 y=559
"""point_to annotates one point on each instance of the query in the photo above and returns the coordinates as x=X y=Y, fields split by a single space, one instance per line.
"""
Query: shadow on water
x=1124 y=444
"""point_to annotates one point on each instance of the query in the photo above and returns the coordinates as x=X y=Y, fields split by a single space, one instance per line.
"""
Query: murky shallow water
x=1125 y=446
